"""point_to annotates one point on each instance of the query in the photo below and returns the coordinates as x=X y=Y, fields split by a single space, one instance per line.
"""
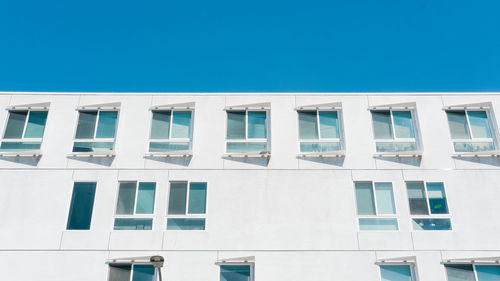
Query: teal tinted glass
x=329 y=124
x=168 y=146
x=246 y=147
x=236 y=125
x=396 y=146
x=177 y=198
x=431 y=224
x=86 y=125
x=488 y=272
x=185 y=224
x=385 y=198
x=126 y=198
x=15 y=125
x=146 y=198
x=437 y=198
x=395 y=273
x=460 y=272
x=319 y=146
x=234 y=273
x=308 y=125
x=257 y=125
x=36 y=124
x=106 y=127
x=133 y=224
x=197 y=198
x=82 y=204
x=473 y=146
x=93 y=146
x=458 y=125
x=382 y=127
x=479 y=124
x=181 y=124
x=143 y=273
x=365 y=199
x=19 y=146
x=378 y=224
x=160 y=127
x=403 y=124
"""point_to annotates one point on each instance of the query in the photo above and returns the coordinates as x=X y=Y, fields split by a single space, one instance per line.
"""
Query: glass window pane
x=460 y=272
x=197 y=197
x=107 y=124
x=385 y=198
x=82 y=204
x=177 y=198
x=329 y=124
x=126 y=198
x=181 y=124
x=417 y=198
x=236 y=125
x=133 y=224
x=15 y=125
x=119 y=272
x=143 y=273
x=242 y=147
x=364 y=198
x=86 y=125
x=19 y=146
x=319 y=146
x=378 y=224
x=36 y=124
x=431 y=224
x=168 y=146
x=403 y=124
x=160 y=127
x=93 y=146
x=479 y=124
x=458 y=125
x=185 y=224
x=234 y=273
x=382 y=127
x=488 y=272
x=437 y=198
x=395 y=273
x=473 y=146
x=146 y=198
x=257 y=125
x=396 y=146
x=308 y=125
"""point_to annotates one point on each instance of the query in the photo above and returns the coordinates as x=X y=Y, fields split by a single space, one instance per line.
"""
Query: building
x=250 y=187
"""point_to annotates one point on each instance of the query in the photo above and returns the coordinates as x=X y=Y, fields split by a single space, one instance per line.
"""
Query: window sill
x=258 y=154
x=406 y=154
x=183 y=153
x=332 y=154
x=477 y=154
x=92 y=154
x=28 y=153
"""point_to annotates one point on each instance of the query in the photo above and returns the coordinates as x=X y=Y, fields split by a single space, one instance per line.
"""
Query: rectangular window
x=135 y=206
x=82 y=204
x=394 y=130
x=236 y=273
x=470 y=130
x=375 y=205
x=131 y=272
x=95 y=131
x=187 y=206
x=396 y=273
x=472 y=272
x=247 y=131
x=428 y=206
x=24 y=130
x=319 y=131
x=171 y=131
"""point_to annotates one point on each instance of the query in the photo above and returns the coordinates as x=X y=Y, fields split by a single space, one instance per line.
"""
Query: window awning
x=325 y=106
x=103 y=106
x=395 y=106
x=486 y=260
x=132 y=260
x=32 y=106
x=398 y=260
x=238 y=260
x=186 y=105
x=472 y=106
x=254 y=106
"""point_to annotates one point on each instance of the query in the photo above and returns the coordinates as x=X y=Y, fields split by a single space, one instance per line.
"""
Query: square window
x=135 y=206
x=394 y=130
x=428 y=206
x=236 y=273
x=375 y=206
x=396 y=273
x=247 y=131
x=171 y=131
x=319 y=131
x=187 y=206
x=96 y=131
x=471 y=130
x=24 y=130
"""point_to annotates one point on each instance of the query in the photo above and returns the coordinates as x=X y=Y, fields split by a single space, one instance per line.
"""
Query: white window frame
x=339 y=140
x=23 y=139
x=469 y=130
x=134 y=215
x=94 y=139
x=395 y=139
x=413 y=269
x=246 y=139
x=170 y=139
x=377 y=215
x=473 y=267
x=186 y=215
x=429 y=215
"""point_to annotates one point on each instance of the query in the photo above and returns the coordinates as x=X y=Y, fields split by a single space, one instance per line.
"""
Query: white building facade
x=250 y=187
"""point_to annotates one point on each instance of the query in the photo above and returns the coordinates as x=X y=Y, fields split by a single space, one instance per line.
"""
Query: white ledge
x=92 y=154
x=331 y=154
x=32 y=153
x=477 y=154
x=262 y=154
x=406 y=154
x=183 y=153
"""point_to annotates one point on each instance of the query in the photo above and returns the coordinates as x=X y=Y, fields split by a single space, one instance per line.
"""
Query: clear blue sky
x=253 y=45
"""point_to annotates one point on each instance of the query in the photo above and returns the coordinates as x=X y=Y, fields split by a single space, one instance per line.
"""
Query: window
x=24 y=130
x=82 y=204
x=428 y=206
x=319 y=131
x=171 y=131
x=131 y=272
x=472 y=272
x=236 y=273
x=187 y=206
x=396 y=273
x=247 y=131
x=394 y=131
x=470 y=130
x=135 y=206
x=95 y=131
x=375 y=205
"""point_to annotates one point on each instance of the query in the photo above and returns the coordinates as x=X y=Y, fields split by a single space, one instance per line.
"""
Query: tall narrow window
x=396 y=273
x=375 y=205
x=95 y=131
x=236 y=273
x=135 y=206
x=470 y=130
x=394 y=130
x=187 y=206
x=131 y=272
x=428 y=206
x=247 y=131
x=24 y=130
x=82 y=204
x=319 y=131
x=472 y=272
x=171 y=131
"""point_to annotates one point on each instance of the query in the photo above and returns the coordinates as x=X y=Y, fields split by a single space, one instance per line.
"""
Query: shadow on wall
x=30 y=161
x=103 y=161
x=492 y=161
x=180 y=161
x=335 y=161
x=261 y=161
x=411 y=161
